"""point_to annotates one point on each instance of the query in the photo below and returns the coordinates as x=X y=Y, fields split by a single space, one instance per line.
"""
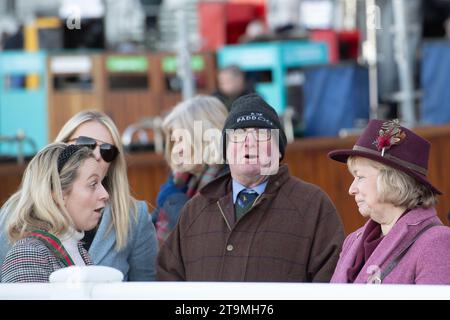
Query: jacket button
x=230 y=247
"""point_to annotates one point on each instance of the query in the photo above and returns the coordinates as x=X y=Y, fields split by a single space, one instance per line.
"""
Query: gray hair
x=208 y=109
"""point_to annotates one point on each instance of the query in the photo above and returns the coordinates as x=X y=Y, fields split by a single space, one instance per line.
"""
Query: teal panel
x=270 y=54
x=13 y=62
x=21 y=109
x=248 y=57
x=304 y=54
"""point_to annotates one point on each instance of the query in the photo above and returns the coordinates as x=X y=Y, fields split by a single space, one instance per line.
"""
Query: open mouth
x=99 y=210
x=251 y=156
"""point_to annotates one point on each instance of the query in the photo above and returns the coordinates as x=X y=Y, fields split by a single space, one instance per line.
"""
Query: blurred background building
x=357 y=58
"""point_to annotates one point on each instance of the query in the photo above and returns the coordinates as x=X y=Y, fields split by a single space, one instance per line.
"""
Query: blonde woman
x=125 y=237
x=193 y=132
x=60 y=197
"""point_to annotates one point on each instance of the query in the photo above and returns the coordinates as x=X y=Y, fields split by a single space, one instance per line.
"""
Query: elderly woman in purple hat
x=403 y=242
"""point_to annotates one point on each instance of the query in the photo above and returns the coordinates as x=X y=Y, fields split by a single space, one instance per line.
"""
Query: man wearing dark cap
x=257 y=223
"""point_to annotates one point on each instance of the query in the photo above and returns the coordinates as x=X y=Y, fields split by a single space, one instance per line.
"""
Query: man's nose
x=250 y=138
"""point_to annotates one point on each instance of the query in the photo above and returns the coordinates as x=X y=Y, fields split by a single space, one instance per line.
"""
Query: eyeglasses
x=108 y=151
x=239 y=135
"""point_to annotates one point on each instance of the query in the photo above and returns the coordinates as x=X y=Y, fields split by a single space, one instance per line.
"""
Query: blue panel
x=21 y=109
x=435 y=81
x=334 y=98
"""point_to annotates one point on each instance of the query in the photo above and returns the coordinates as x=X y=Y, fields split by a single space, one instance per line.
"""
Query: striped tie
x=244 y=202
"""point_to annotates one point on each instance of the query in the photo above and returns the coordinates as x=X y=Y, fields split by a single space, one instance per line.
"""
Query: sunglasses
x=108 y=151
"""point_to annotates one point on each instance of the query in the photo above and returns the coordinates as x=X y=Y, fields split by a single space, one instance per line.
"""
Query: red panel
x=330 y=37
x=224 y=23
x=350 y=41
x=212 y=19
x=240 y=13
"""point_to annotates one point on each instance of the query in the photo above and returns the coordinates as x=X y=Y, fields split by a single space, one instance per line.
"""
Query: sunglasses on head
x=108 y=151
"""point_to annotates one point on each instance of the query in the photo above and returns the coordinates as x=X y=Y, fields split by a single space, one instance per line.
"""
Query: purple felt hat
x=391 y=144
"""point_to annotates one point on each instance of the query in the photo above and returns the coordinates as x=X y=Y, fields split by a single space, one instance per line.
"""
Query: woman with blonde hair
x=403 y=241
x=193 y=135
x=60 y=197
x=125 y=237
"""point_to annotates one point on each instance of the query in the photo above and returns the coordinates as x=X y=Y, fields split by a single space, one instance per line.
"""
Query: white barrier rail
x=221 y=291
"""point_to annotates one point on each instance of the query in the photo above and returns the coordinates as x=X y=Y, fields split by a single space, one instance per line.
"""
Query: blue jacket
x=136 y=260
x=172 y=199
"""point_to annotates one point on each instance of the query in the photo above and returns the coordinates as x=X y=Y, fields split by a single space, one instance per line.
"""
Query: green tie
x=244 y=202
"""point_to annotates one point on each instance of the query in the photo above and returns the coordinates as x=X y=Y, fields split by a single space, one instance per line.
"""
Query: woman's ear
x=64 y=197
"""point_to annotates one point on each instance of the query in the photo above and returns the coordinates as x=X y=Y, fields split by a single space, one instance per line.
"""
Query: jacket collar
x=222 y=185
x=103 y=240
x=220 y=191
x=86 y=258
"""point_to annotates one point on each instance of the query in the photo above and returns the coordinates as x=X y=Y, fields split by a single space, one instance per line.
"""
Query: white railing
x=221 y=291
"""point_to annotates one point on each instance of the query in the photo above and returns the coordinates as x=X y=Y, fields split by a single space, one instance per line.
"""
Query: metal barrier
x=141 y=129
x=20 y=139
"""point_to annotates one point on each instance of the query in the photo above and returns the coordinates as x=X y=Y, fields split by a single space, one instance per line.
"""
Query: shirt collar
x=237 y=187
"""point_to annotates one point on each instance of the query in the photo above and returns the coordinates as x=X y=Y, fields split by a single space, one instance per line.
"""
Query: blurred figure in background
x=125 y=236
x=231 y=84
x=60 y=197
x=186 y=130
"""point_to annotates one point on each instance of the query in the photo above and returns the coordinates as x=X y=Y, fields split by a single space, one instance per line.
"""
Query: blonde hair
x=38 y=204
x=397 y=187
x=116 y=183
x=208 y=109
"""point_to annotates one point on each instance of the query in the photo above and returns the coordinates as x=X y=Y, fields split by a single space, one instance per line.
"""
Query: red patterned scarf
x=55 y=245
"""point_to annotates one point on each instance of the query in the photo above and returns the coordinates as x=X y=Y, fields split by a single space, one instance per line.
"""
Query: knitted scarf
x=195 y=183
x=192 y=184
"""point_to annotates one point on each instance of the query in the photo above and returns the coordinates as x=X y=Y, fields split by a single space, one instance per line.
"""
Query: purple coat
x=426 y=262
